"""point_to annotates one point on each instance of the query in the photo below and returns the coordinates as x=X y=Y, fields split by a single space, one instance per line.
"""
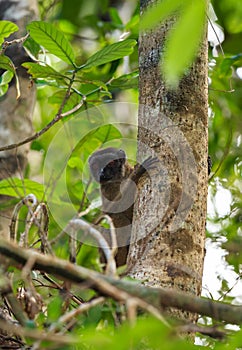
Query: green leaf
x=58 y=98
x=126 y=81
x=99 y=136
x=158 y=12
x=43 y=72
x=53 y=40
x=6 y=64
x=184 y=38
x=6 y=29
x=3 y=89
x=231 y=13
x=54 y=309
x=75 y=162
x=224 y=67
x=133 y=24
x=32 y=47
x=237 y=60
x=111 y=53
x=114 y=15
x=15 y=187
x=5 y=78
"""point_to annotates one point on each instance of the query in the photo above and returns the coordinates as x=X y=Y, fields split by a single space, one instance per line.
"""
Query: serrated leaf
x=111 y=53
x=52 y=39
x=42 y=72
x=7 y=28
x=158 y=12
x=6 y=64
x=14 y=187
x=184 y=38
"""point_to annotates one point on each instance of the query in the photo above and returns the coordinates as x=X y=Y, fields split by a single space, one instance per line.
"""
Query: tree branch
x=56 y=119
x=36 y=334
x=158 y=297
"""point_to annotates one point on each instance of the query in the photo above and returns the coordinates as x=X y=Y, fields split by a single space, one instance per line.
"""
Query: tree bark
x=168 y=233
x=16 y=114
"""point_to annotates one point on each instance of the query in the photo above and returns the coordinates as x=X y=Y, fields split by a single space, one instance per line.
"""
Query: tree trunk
x=168 y=234
x=16 y=114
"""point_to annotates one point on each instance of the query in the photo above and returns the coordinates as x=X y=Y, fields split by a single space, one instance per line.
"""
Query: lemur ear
x=105 y=164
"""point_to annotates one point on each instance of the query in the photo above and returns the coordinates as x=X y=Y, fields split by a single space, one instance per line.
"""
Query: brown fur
x=110 y=168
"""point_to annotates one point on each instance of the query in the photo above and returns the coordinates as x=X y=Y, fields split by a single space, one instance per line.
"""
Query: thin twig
x=56 y=119
x=14 y=41
x=7 y=292
x=59 y=116
x=114 y=244
x=103 y=244
x=84 y=197
x=72 y=314
x=221 y=48
x=30 y=201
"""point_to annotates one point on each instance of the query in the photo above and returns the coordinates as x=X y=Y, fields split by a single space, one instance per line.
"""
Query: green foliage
x=54 y=309
x=6 y=28
x=52 y=39
x=44 y=72
x=15 y=187
x=225 y=125
x=229 y=13
x=32 y=47
x=111 y=53
x=146 y=333
x=6 y=63
x=126 y=81
x=4 y=81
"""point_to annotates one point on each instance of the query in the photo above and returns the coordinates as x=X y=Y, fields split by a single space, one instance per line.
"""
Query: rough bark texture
x=16 y=114
x=170 y=213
